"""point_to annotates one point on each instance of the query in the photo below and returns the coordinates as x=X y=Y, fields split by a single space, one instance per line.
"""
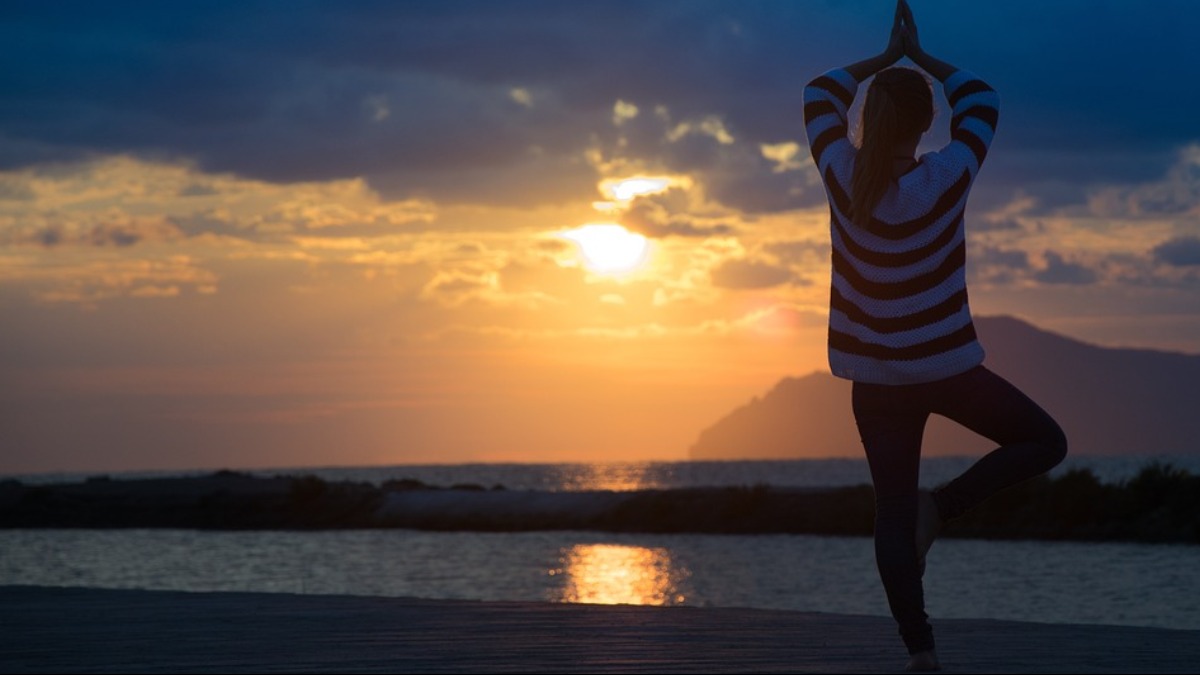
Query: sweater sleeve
x=827 y=102
x=974 y=109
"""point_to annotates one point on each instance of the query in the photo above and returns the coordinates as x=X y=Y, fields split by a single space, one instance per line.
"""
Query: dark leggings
x=891 y=420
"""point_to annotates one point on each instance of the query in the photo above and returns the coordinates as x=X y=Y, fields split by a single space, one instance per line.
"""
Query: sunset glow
x=274 y=243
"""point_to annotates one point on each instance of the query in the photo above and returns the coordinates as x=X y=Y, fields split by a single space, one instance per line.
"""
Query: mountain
x=1108 y=401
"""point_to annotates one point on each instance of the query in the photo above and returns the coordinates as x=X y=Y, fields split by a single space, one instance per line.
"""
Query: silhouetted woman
x=899 y=323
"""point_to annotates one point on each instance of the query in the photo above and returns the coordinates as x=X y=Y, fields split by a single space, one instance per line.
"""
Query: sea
x=1130 y=584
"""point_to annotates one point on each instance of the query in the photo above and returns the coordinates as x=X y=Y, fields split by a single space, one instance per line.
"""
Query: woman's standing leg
x=891 y=424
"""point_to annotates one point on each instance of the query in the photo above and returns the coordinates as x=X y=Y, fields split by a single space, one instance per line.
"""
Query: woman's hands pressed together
x=898 y=39
x=891 y=54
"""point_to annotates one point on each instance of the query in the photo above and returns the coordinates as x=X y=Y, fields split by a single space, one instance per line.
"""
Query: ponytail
x=899 y=107
x=873 y=165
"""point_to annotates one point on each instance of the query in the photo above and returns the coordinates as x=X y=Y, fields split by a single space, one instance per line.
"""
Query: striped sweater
x=898 y=311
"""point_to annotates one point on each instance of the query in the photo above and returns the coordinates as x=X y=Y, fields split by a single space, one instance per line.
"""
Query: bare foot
x=923 y=661
x=929 y=523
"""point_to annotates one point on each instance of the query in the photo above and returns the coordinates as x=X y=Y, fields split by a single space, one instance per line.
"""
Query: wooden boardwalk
x=76 y=630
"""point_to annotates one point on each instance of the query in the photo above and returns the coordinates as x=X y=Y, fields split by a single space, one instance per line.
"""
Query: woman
x=899 y=323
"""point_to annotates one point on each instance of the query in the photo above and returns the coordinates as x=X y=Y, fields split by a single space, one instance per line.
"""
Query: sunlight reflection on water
x=614 y=574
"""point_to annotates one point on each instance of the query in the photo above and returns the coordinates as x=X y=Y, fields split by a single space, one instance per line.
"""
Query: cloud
x=1183 y=251
x=264 y=109
x=743 y=179
x=113 y=229
x=799 y=251
x=275 y=122
x=1061 y=271
x=529 y=284
x=1006 y=215
x=995 y=224
x=122 y=201
x=1001 y=257
x=654 y=220
x=530 y=178
x=89 y=281
x=409 y=95
x=455 y=288
x=997 y=265
x=738 y=174
x=1175 y=193
x=740 y=274
x=12 y=189
x=787 y=156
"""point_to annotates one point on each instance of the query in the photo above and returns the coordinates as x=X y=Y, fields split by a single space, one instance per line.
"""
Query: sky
x=273 y=234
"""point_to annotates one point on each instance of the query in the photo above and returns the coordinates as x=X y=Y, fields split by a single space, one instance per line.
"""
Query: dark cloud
x=991 y=264
x=409 y=94
x=1049 y=191
x=1179 y=251
x=693 y=152
x=750 y=184
x=749 y=274
x=119 y=236
x=98 y=234
x=48 y=237
x=198 y=190
x=1002 y=257
x=681 y=227
x=215 y=223
x=994 y=224
x=246 y=98
x=675 y=227
x=736 y=174
x=203 y=222
x=1061 y=271
x=526 y=179
x=1172 y=193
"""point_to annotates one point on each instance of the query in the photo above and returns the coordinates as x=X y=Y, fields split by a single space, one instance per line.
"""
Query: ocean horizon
x=637 y=475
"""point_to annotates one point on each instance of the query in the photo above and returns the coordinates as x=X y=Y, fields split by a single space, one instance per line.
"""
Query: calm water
x=1127 y=584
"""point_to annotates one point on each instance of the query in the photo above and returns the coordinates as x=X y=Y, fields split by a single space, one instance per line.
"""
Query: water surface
x=1059 y=582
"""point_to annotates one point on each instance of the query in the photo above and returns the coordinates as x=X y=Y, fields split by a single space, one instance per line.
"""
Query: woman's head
x=897 y=110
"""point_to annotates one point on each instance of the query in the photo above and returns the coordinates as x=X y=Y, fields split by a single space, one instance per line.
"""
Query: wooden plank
x=129 y=631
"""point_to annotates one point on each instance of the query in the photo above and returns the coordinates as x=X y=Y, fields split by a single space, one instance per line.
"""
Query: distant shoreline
x=819 y=472
x=1160 y=504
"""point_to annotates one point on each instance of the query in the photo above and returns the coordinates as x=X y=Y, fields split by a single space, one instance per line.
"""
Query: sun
x=608 y=248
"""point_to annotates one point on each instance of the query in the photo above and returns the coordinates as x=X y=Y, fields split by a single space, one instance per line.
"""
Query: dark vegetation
x=1160 y=504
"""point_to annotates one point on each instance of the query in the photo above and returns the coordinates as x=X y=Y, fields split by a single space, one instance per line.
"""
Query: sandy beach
x=129 y=631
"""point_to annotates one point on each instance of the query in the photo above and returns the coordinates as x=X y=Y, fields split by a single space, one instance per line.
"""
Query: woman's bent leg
x=1031 y=442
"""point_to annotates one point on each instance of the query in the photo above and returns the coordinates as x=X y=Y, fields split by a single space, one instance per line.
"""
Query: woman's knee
x=1055 y=445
